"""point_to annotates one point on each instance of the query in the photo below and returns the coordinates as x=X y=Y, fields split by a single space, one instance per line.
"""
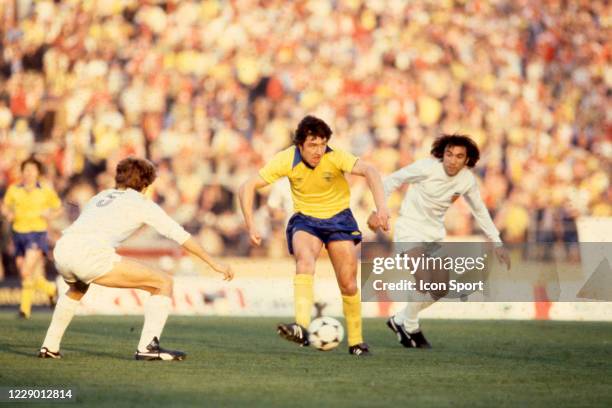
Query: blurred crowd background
x=210 y=90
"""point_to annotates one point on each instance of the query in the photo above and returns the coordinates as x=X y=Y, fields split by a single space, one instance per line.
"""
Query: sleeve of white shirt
x=481 y=213
x=157 y=218
x=412 y=173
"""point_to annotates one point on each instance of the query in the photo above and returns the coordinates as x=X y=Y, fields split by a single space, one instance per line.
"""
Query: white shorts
x=79 y=258
x=409 y=231
x=406 y=239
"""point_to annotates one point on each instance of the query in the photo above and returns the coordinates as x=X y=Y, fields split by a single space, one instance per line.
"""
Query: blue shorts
x=340 y=227
x=30 y=240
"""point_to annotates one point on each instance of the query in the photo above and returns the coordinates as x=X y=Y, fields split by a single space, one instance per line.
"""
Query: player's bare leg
x=306 y=249
x=343 y=255
x=131 y=274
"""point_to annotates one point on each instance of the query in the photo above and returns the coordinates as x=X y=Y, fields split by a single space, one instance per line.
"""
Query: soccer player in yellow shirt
x=29 y=206
x=321 y=196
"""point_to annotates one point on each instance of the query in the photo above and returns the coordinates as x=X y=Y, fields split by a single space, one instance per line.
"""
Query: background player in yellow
x=322 y=216
x=29 y=205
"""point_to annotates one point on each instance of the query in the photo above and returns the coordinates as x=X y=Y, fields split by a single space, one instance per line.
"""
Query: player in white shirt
x=436 y=183
x=85 y=254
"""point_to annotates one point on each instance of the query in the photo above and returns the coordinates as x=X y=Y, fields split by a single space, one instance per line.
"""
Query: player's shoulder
x=47 y=187
x=285 y=156
x=467 y=178
x=334 y=152
x=426 y=165
x=12 y=188
x=133 y=195
x=428 y=162
x=468 y=175
x=339 y=157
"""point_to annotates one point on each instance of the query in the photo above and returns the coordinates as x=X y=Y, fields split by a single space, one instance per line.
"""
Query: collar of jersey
x=297 y=157
x=22 y=185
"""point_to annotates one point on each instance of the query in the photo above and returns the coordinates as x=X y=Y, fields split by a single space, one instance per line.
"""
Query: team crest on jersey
x=327 y=176
x=455 y=197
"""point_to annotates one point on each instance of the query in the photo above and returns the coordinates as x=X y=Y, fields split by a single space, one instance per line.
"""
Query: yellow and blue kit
x=29 y=225
x=321 y=194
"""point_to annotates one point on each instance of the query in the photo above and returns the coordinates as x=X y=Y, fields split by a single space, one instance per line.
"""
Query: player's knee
x=305 y=263
x=33 y=255
x=348 y=287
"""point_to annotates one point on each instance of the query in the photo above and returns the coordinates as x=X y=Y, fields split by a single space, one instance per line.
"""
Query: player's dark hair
x=311 y=126
x=135 y=173
x=440 y=144
x=33 y=160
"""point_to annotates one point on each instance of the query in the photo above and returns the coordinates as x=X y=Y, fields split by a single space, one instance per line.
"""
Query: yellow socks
x=27 y=292
x=303 y=298
x=351 y=306
x=48 y=288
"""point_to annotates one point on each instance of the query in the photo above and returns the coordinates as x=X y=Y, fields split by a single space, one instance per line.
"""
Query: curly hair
x=135 y=173
x=311 y=126
x=440 y=144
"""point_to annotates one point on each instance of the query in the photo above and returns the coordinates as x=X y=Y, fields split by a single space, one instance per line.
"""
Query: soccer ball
x=325 y=333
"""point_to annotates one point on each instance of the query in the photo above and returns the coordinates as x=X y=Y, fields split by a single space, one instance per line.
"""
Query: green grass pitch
x=241 y=362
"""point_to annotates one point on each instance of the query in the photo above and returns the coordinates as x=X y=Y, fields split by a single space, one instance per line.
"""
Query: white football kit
x=432 y=192
x=86 y=249
x=421 y=217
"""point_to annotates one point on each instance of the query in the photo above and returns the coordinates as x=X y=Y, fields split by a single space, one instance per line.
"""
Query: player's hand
x=383 y=219
x=226 y=270
x=503 y=256
x=373 y=223
x=254 y=237
x=9 y=216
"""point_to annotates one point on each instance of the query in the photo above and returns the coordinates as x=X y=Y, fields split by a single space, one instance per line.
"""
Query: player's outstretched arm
x=54 y=205
x=246 y=195
x=484 y=221
x=376 y=186
x=153 y=215
x=7 y=213
x=7 y=205
x=193 y=247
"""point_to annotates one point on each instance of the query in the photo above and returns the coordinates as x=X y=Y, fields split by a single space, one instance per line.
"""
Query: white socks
x=156 y=312
x=62 y=316
x=409 y=316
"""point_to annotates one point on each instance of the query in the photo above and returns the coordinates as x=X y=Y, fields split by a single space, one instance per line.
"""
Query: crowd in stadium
x=209 y=90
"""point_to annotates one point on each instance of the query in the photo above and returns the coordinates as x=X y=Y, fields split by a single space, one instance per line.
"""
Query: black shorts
x=340 y=227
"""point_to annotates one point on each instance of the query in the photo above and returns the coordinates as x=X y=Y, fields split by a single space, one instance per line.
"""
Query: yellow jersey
x=319 y=192
x=28 y=206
